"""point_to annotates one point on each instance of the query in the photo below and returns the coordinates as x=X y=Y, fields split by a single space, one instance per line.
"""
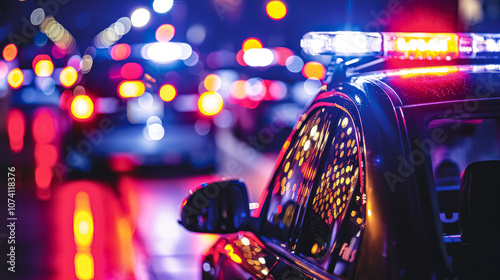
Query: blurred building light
x=145 y=101
x=224 y=119
x=46 y=154
x=68 y=76
x=237 y=89
x=82 y=107
x=58 y=34
x=192 y=60
x=140 y=17
x=120 y=51
x=165 y=33
x=155 y=131
x=128 y=89
x=196 y=34
x=16 y=130
x=258 y=57
x=294 y=64
x=113 y=33
x=168 y=93
x=166 y=52
x=75 y=61
x=276 y=10
x=278 y=90
x=162 y=6
x=15 y=78
x=4 y=69
x=43 y=176
x=186 y=103
x=255 y=89
x=9 y=52
x=44 y=68
x=131 y=71
x=281 y=55
x=314 y=69
x=86 y=63
x=210 y=103
x=312 y=86
x=46 y=84
x=202 y=126
x=37 y=16
x=127 y=24
x=84 y=266
x=251 y=43
x=106 y=105
x=212 y=82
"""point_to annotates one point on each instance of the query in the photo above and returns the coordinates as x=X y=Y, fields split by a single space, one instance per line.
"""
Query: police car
x=389 y=174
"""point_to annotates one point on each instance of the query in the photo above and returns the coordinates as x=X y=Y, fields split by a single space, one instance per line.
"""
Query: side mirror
x=220 y=207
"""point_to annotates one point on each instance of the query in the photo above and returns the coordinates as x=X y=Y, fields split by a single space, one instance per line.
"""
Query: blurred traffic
x=112 y=111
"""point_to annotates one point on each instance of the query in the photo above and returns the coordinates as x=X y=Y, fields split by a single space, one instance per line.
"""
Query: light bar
x=400 y=45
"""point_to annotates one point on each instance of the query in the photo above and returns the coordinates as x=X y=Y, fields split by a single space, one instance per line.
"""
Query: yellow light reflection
x=84 y=266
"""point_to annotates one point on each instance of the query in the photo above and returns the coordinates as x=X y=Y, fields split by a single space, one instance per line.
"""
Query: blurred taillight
x=16 y=129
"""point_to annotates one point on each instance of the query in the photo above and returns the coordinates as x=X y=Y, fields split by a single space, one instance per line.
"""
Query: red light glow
x=131 y=71
x=16 y=129
x=43 y=176
x=43 y=127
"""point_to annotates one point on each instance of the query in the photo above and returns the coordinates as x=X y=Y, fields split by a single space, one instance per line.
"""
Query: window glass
x=453 y=145
x=335 y=215
x=294 y=178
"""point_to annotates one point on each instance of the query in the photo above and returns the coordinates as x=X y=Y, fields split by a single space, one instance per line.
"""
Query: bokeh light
x=128 y=89
x=210 y=103
x=238 y=89
x=68 y=76
x=44 y=68
x=168 y=93
x=82 y=107
x=140 y=17
x=314 y=69
x=120 y=51
x=162 y=6
x=276 y=10
x=251 y=43
x=9 y=52
x=165 y=33
x=131 y=71
x=212 y=82
x=4 y=69
x=15 y=78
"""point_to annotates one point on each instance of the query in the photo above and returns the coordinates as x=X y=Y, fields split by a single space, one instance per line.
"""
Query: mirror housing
x=219 y=207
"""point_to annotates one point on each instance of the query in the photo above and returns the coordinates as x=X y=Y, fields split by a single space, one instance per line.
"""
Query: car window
x=335 y=214
x=294 y=178
x=460 y=142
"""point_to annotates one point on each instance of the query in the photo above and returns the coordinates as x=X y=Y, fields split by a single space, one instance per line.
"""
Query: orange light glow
x=210 y=103
x=68 y=76
x=314 y=69
x=425 y=45
x=16 y=129
x=15 y=78
x=212 y=82
x=82 y=107
x=120 y=51
x=165 y=33
x=9 y=52
x=238 y=89
x=406 y=73
x=84 y=266
x=251 y=43
x=128 y=89
x=44 y=68
x=168 y=93
x=83 y=221
x=276 y=10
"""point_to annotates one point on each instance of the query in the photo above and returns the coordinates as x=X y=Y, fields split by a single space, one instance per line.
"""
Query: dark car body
x=390 y=225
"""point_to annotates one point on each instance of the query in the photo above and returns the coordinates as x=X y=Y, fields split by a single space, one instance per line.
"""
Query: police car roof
x=440 y=84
